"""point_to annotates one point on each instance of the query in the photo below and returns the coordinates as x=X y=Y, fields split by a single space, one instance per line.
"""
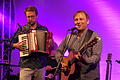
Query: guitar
x=70 y=60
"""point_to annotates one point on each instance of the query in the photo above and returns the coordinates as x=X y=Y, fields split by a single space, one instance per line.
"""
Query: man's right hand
x=64 y=66
x=19 y=46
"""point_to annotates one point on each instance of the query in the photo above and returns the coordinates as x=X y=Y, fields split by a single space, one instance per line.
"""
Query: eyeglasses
x=30 y=16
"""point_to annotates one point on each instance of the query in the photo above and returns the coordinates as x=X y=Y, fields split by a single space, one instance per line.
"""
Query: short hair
x=81 y=11
x=31 y=8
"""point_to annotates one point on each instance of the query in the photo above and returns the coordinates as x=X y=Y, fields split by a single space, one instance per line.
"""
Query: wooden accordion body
x=36 y=41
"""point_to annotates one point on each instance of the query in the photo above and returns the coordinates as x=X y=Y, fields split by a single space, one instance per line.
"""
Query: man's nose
x=30 y=19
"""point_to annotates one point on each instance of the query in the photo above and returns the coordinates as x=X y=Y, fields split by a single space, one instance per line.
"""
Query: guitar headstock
x=93 y=42
x=109 y=56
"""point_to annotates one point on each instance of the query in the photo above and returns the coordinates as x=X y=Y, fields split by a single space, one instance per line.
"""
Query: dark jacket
x=89 y=64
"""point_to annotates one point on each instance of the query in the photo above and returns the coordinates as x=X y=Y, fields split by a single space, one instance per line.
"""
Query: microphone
x=19 y=26
x=27 y=26
x=31 y=23
x=72 y=29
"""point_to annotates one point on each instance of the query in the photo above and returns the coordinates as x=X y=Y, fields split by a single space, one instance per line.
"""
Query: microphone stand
x=58 y=68
x=118 y=61
x=8 y=50
x=109 y=67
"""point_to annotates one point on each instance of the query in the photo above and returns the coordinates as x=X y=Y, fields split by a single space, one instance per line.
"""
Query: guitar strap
x=87 y=37
x=76 y=73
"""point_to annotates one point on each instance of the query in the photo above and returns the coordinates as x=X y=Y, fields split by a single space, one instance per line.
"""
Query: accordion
x=35 y=41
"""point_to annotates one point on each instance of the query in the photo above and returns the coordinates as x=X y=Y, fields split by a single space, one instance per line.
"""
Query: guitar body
x=70 y=72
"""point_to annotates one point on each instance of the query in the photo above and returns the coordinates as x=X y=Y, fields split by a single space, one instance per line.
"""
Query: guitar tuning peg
x=98 y=38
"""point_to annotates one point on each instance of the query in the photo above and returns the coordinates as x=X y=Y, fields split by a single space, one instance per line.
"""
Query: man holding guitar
x=85 y=46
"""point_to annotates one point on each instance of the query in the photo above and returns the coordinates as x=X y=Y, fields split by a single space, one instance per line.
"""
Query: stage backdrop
x=6 y=31
x=57 y=15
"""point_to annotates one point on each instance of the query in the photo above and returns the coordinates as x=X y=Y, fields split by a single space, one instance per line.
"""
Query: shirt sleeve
x=61 y=49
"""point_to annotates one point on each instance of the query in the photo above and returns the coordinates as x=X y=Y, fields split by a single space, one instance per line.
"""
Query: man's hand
x=50 y=76
x=77 y=55
x=64 y=66
x=19 y=46
x=48 y=68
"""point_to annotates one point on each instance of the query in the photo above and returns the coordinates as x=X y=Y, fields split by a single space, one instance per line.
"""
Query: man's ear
x=88 y=21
